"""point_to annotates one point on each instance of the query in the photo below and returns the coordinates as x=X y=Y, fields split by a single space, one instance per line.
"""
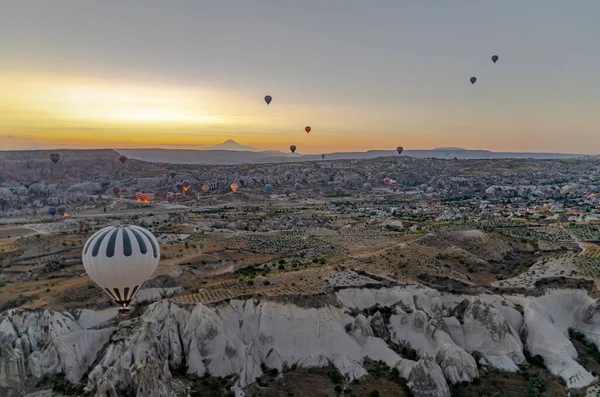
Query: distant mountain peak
x=230 y=144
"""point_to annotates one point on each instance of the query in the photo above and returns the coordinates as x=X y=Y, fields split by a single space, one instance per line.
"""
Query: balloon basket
x=124 y=310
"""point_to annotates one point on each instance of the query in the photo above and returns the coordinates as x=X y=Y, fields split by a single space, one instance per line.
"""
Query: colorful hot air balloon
x=399 y=149
x=473 y=80
x=52 y=211
x=54 y=157
x=139 y=196
x=62 y=210
x=178 y=196
x=287 y=191
x=205 y=188
x=123 y=159
x=268 y=99
x=298 y=180
x=233 y=187
x=494 y=58
x=307 y=129
x=116 y=191
x=120 y=259
x=297 y=186
x=145 y=197
x=268 y=187
x=307 y=171
x=170 y=197
x=185 y=185
x=386 y=181
x=288 y=174
x=293 y=148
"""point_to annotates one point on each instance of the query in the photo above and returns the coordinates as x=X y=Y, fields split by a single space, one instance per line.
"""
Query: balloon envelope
x=293 y=148
x=494 y=58
x=61 y=210
x=205 y=188
x=473 y=80
x=287 y=191
x=123 y=159
x=268 y=186
x=268 y=99
x=386 y=181
x=233 y=187
x=54 y=157
x=172 y=173
x=52 y=211
x=399 y=149
x=288 y=174
x=297 y=186
x=120 y=259
x=307 y=129
x=116 y=191
x=307 y=171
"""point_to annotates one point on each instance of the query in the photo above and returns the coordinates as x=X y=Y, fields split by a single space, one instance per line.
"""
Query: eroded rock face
x=235 y=338
x=427 y=379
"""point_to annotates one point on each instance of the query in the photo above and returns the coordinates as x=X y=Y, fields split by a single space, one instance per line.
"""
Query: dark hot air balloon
x=297 y=186
x=268 y=99
x=268 y=187
x=399 y=149
x=123 y=159
x=61 y=210
x=494 y=58
x=293 y=148
x=322 y=157
x=307 y=129
x=116 y=191
x=473 y=80
x=52 y=211
x=55 y=157
x=287 y=191
x=172 y=173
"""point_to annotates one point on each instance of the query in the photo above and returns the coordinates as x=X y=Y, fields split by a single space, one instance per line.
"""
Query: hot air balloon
x=179 y=185
x=287 y=191
x=307 y=171
x=233 y=187
x=386 y=181
x=473 y=80
x=367 y=186
x=399 y=149
x=298 y=180
x=297 y=186
x=288 y=174
x=205 y=188
x=172 y=173
x=384 y=174
x=120 y=259
x=393 y=182
x=62 y=210
x=170 y=197
x=185 y=185
x=293 y=148
x=145 y=197
x=139 y=196
x=54 y=157
x=123 y=159
x=52 y=211
x=53 y=199
x=307 y=129
x=322 y=157
x=116 y=191
x=494 y=58
x=178 y=196
x=268 y=99
x=268 y=187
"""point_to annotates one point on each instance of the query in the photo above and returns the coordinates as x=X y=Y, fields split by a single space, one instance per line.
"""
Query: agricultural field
x=585 y=232
x=589 y=260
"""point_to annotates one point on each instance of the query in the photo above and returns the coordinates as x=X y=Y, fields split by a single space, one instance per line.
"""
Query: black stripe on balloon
x=140 y=241
x=126 y=293
x=118 y=293
x=98 y=242
x=151 y=242
x=127 y=249
x=112 y=241
x=135 y=289
x=111 y=294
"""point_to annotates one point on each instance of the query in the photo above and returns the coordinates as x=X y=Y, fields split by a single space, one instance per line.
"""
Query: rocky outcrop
x=427 y=379
x=146 y=355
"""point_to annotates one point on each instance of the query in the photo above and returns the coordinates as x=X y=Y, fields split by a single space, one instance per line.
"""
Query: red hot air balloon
x=139 y=196
x=116 y=191
x=234 y=187
x=298 y=180
x=205 y=188
x=54 y=157
x=307 y=129
x=123 y=159
x=386 y=181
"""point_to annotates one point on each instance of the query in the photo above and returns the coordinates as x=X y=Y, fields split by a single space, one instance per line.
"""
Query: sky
x=363 y=74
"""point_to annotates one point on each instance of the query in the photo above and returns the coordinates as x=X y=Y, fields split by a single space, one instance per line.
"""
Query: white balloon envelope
x=120 y=259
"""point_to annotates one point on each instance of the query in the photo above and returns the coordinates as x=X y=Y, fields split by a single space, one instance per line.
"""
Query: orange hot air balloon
x=139 y=196
x=307 y=129
x=145 y=197
x=234 y=187
x=205 y=188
